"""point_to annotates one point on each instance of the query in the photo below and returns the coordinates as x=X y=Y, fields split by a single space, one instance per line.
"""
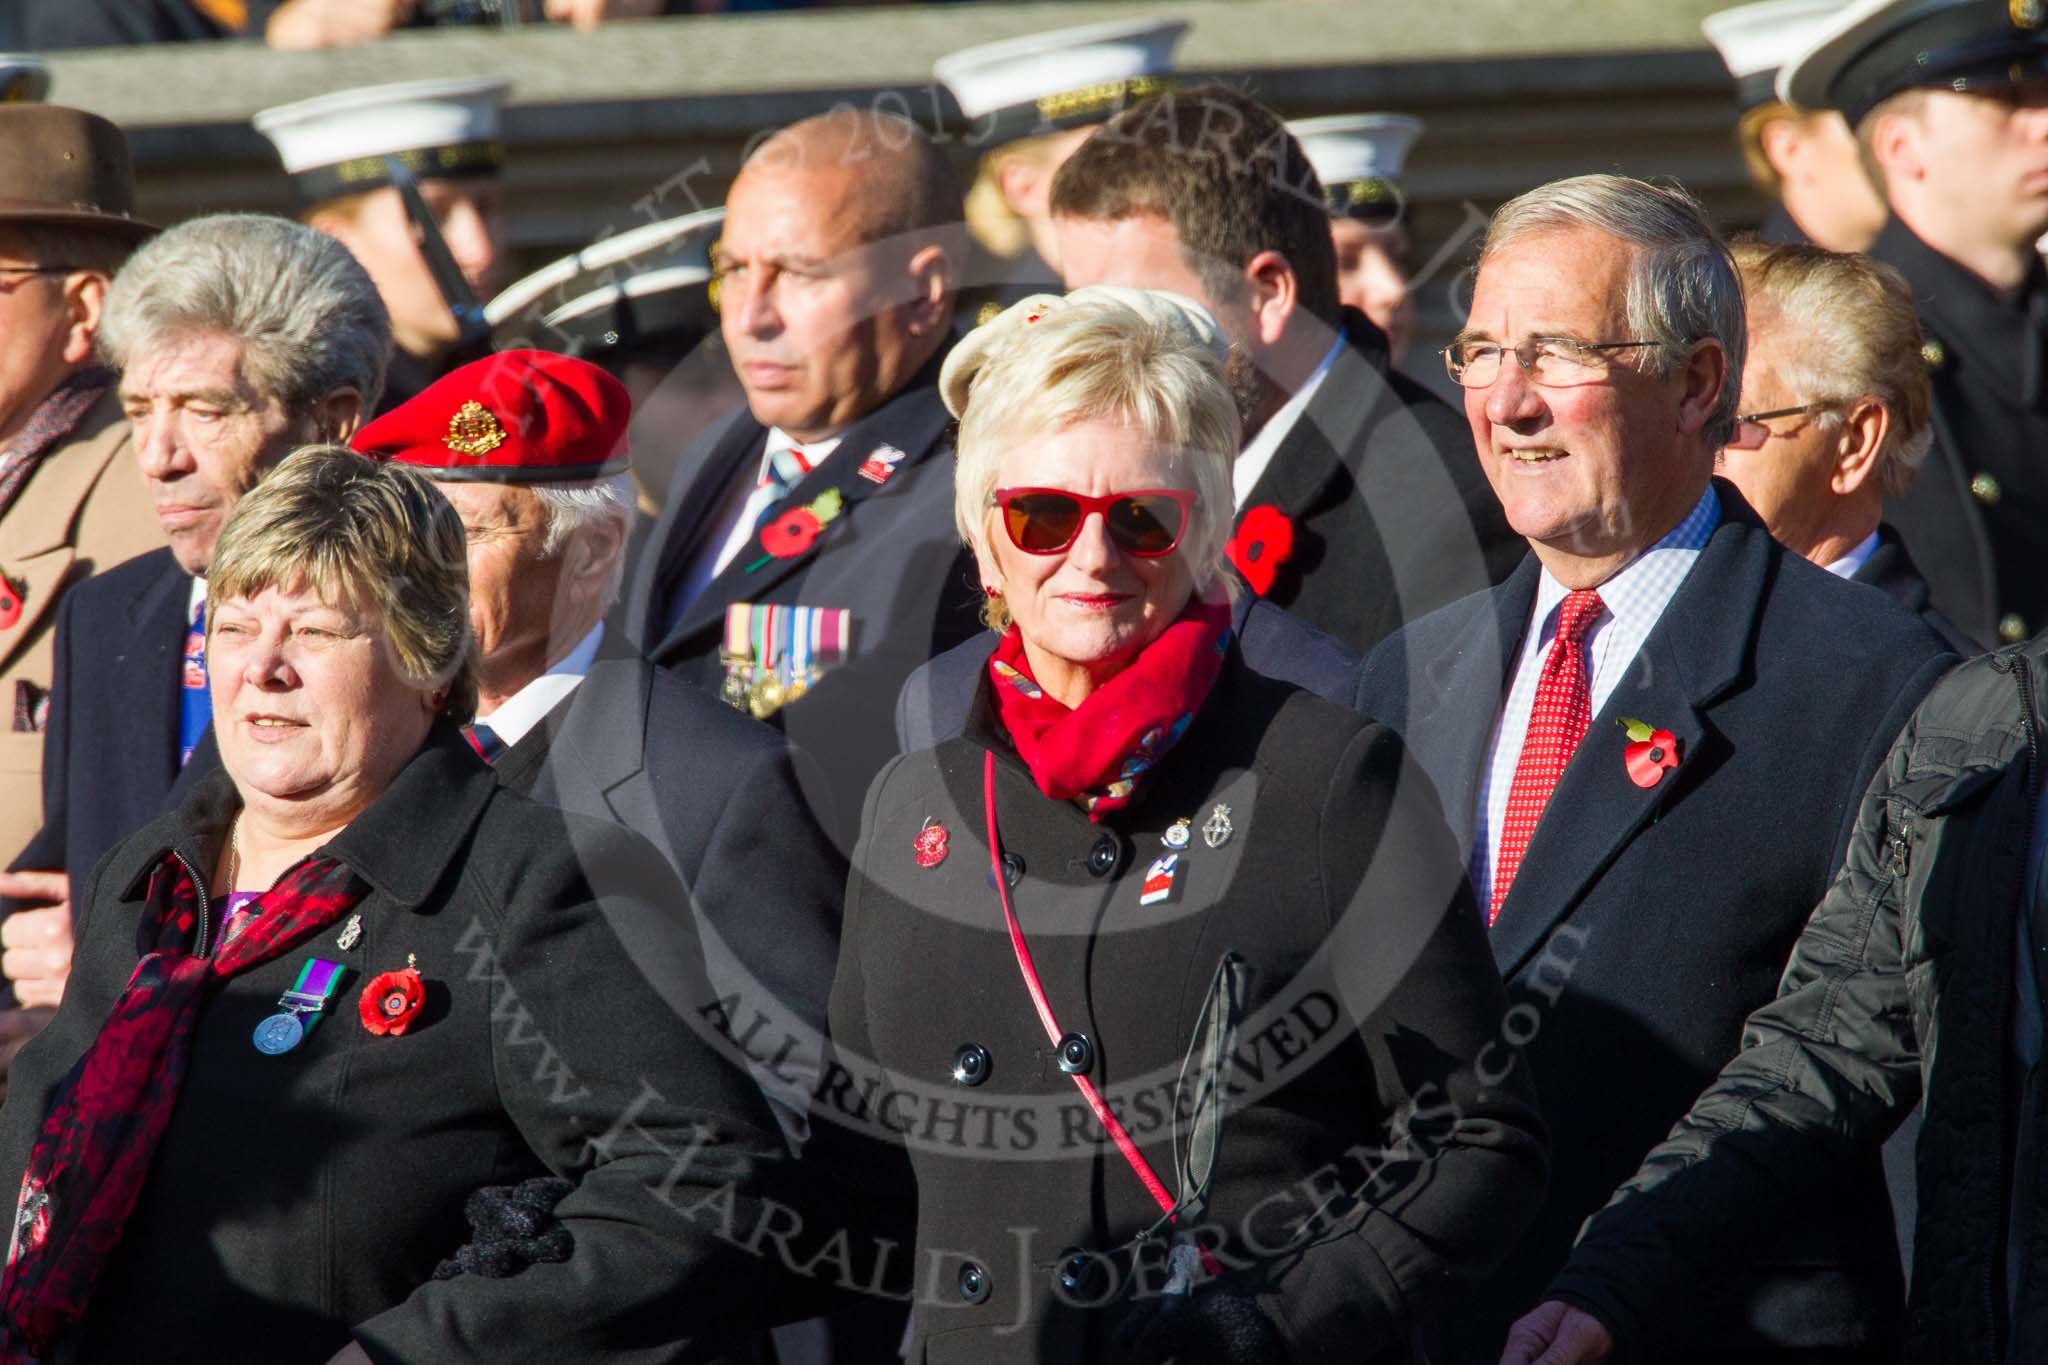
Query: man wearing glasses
x=1949 y=99
x=1651 y=739
x=1834 y=415
x=70 y=504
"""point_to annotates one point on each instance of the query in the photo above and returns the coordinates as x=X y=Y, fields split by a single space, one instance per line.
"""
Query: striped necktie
x=785 y=470
x=489 y=745
x=195 y=701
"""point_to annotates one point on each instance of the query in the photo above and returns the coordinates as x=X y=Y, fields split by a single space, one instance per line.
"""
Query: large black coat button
x=1103 y=858
x=1077 y=1054
x=970 y=1064
x=974 y=1283
x=1013 y=870
x=1080 y=1274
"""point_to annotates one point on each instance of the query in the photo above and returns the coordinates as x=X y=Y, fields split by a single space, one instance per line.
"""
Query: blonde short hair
x=1101 y=359
x=374 y=536
x=996 y=227
x=1857 y=336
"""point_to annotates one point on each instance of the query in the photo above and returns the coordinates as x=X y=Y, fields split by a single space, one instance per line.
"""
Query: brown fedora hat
x=66 y=167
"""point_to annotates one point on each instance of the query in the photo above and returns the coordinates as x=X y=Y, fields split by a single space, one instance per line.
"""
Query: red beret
x=514 y=417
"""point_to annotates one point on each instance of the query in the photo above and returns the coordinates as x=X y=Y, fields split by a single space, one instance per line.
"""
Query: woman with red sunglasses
x=1161 y=993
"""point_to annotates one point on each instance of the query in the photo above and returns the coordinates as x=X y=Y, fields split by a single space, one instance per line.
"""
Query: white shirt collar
x=527 y=707
x=195 y=595
x=1850 y=564
x=815 y=452
x=1253 y=459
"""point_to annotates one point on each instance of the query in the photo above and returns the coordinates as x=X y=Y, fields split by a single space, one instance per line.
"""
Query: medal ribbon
x=316 y=985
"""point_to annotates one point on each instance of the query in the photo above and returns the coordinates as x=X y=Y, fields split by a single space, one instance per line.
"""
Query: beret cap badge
x=2027 y=14
x=473 y=430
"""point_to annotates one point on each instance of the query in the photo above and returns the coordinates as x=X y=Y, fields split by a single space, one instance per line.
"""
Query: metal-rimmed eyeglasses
x=1557 y=362
x=1750 y=431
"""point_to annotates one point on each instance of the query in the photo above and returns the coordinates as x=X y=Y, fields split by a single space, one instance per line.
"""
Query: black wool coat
x=1392 y=514
x=110 y=753
x=296 y=1201
x=891 y=557
x=1371 y=1004
x=1646 y=923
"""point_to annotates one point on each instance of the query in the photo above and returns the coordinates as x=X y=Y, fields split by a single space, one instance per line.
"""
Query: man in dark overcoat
x=805 y=560
x=1651 y=739
x=1359 y=505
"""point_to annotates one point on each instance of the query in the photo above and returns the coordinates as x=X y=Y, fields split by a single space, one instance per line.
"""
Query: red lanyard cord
x=1124 y=1144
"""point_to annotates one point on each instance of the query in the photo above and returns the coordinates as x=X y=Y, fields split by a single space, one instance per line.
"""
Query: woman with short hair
x=347 y=983
x=1164 y=978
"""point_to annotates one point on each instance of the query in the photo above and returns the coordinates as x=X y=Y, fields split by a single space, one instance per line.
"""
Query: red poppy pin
x=1649 y=753
x=1264 y=540
x=391 y=999
x=792 y=533
x=10 y=602
x=929 y=846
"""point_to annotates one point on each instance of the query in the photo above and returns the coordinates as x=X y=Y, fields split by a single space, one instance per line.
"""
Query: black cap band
x=1966 y=47
x=453 y=161
x=1757 y=89
x=1376 y=200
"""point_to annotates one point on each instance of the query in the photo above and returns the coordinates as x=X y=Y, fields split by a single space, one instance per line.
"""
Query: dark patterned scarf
x=90 y=1161
x=53 y=420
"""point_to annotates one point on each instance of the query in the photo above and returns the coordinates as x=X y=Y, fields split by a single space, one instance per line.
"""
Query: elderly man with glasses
x=1651 y=740
x=1836 y=398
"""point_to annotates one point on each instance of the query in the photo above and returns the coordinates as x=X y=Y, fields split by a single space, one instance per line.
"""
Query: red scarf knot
x=1093 y=754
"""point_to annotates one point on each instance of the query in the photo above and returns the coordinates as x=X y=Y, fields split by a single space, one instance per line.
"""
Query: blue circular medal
x=279 y=1033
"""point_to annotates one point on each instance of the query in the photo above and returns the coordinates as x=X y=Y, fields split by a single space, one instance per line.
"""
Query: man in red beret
x=530 y=448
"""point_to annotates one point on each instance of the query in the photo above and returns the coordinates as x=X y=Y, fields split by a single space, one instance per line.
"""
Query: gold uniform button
x=1986 y=489
x=2012 y=628
x=1934 y=353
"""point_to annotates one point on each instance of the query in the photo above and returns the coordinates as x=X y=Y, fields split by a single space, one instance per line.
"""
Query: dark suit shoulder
x=114 y=589
x=527 y=854
x=681 y=710
x=1823 y=622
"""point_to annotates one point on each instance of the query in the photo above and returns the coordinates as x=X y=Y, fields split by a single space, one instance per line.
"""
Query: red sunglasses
x=1145 y=523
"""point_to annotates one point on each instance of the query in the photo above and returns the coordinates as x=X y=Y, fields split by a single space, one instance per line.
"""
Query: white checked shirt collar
x=1253 y=459
x=527 y=707
x=1632 y=602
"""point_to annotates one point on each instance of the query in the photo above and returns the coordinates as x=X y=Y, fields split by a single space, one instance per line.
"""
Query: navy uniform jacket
x=721 y=797
x=1392 y=513
x=1646 y=923
x=110 y=754
x=891 y=557
x=1891 y=570
x=1974 y=514
x=1275 y=645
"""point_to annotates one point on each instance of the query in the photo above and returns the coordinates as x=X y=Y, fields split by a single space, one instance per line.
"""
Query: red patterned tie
x=1557 y=722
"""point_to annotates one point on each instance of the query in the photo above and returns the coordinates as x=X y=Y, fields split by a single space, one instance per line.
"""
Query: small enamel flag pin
x=1159 y=880
x=881 y=463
